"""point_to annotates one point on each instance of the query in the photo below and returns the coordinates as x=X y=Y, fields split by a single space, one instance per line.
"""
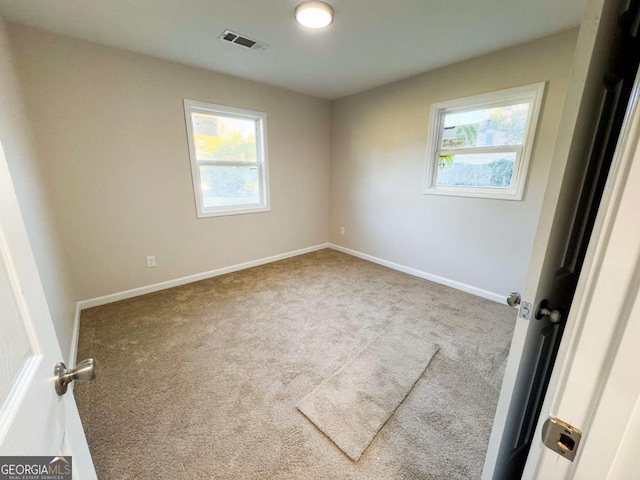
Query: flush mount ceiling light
x=314 y=14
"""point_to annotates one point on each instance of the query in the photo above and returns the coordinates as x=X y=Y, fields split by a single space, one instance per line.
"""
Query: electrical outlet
x=151 y=261
x=342 y=231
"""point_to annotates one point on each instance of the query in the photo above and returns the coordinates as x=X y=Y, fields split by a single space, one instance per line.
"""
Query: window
x=228 y=159
x=480 y=146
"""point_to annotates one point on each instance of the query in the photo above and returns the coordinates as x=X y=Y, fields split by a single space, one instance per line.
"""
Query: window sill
x=489 y=193
x=233 y=211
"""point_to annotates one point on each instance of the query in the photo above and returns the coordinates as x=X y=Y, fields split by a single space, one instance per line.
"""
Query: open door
x=604 y=66
x=596 y=385
x=34 y=419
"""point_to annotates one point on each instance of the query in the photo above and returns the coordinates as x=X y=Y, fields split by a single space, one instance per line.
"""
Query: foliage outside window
x=227 y=147
x=480 y=146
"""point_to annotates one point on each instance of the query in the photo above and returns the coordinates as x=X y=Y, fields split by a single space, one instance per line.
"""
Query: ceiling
x=372 y=42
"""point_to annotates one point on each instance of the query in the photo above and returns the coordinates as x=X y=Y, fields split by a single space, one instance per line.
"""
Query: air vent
x=242 y=41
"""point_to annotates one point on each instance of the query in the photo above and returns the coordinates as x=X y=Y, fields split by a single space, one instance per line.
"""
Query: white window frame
x=532 y=94
x=194 y=106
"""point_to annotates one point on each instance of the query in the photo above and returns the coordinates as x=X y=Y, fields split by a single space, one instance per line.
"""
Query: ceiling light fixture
x=314 y=14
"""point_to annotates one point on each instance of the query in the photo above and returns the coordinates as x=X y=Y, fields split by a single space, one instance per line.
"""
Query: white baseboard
x=135 y=292
x=419 y=273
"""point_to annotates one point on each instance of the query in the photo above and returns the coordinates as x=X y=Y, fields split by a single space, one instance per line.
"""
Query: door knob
x=543 y=310
x=514 y=298
x=84 y=371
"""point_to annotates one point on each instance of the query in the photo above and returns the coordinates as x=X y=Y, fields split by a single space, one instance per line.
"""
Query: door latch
x=514 y=300
x=525 y=310
x=561 y=437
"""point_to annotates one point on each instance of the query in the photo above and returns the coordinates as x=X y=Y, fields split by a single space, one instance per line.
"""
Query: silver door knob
x=543 y=310
x=514 y=298
x=84 y=371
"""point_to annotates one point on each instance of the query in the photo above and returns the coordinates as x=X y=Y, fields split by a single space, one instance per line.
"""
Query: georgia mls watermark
x=35 y=468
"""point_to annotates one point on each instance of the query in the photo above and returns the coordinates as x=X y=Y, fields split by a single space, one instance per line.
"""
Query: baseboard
x=136 y=292
x=419 y=273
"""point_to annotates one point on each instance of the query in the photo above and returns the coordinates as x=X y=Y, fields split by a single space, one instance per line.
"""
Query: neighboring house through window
x=227 y=146
x=480 y=146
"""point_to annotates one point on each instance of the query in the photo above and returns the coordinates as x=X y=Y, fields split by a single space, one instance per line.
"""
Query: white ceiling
x=372 y=42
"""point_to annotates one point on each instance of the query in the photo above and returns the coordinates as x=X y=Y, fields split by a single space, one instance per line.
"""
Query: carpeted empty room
x=216 y=379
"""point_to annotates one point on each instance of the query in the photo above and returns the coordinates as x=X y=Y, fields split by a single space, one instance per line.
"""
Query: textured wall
x=378 y=163
x=110 y=130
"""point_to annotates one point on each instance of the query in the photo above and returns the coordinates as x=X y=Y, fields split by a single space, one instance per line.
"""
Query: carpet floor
x=201 y=381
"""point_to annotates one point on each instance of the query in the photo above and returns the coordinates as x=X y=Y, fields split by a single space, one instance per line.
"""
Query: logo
x=35 y=468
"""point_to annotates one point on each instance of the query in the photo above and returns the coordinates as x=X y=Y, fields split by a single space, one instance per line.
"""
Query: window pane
x=224 y=186
x=486 y=127
x=493 y=170
x=226 y=139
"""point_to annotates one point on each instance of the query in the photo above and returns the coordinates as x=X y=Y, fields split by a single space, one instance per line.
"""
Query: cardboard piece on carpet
x=352 y=405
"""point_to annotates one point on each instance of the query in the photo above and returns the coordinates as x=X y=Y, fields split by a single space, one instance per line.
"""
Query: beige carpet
x=352 y=405
x=201 y=381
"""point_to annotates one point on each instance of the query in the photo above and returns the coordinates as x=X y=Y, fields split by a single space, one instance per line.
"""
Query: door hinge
x=561 y=437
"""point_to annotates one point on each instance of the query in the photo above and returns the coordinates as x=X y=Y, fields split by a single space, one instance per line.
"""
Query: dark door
x=616 y=87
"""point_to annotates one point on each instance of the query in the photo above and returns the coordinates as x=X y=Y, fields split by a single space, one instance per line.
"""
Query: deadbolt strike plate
x=561 y=437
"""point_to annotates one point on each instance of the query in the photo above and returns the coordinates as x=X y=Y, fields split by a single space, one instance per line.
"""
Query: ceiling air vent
x=242 y=41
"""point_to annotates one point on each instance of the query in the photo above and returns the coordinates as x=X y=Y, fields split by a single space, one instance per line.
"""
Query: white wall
x=378 y=161
x=32 y=192
x=110 y=130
